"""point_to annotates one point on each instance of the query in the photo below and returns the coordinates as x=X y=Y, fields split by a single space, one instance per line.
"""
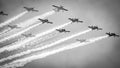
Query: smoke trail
x=31 y=20
x=13 y=19
x=5 y=31
x=23 y=53
x=45 y=46
x=22 y=43
x=41 y=39
x=35 y=19
x=22 y=62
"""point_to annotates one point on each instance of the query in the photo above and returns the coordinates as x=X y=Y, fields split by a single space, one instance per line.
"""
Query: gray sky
x=104 y=13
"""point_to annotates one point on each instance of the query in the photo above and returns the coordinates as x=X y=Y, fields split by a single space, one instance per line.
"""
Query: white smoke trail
x=22 y=43
x=5 y=31
x=41 y=39
x=25 y=52
x=45 y=46
x=26 y=29
x=23 y=61
x=13 y=19
x=35 y=19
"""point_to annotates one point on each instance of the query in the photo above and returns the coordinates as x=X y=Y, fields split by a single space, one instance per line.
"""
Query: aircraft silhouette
x=45 y=21
x=30 y=9
x=13 y=26
x=62 y=30
x=94 y=28
x=27 y=35
x=75 y=20
x=81 y=40
x=58 y=8
x=2 y=13
x=112 y=34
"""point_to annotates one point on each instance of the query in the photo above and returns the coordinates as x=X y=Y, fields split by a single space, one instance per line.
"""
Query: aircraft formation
x=56 y=9
x=59 y=30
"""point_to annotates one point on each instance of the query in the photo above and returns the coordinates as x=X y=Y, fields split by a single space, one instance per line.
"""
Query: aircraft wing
x=36 y=10
x=26 y=8
x=64 y=9
x=80 y=21
x=50 y=22
x=55 y=6
x=116 y=35
x=40 y=19
x=67 y=31
x=100 y=28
